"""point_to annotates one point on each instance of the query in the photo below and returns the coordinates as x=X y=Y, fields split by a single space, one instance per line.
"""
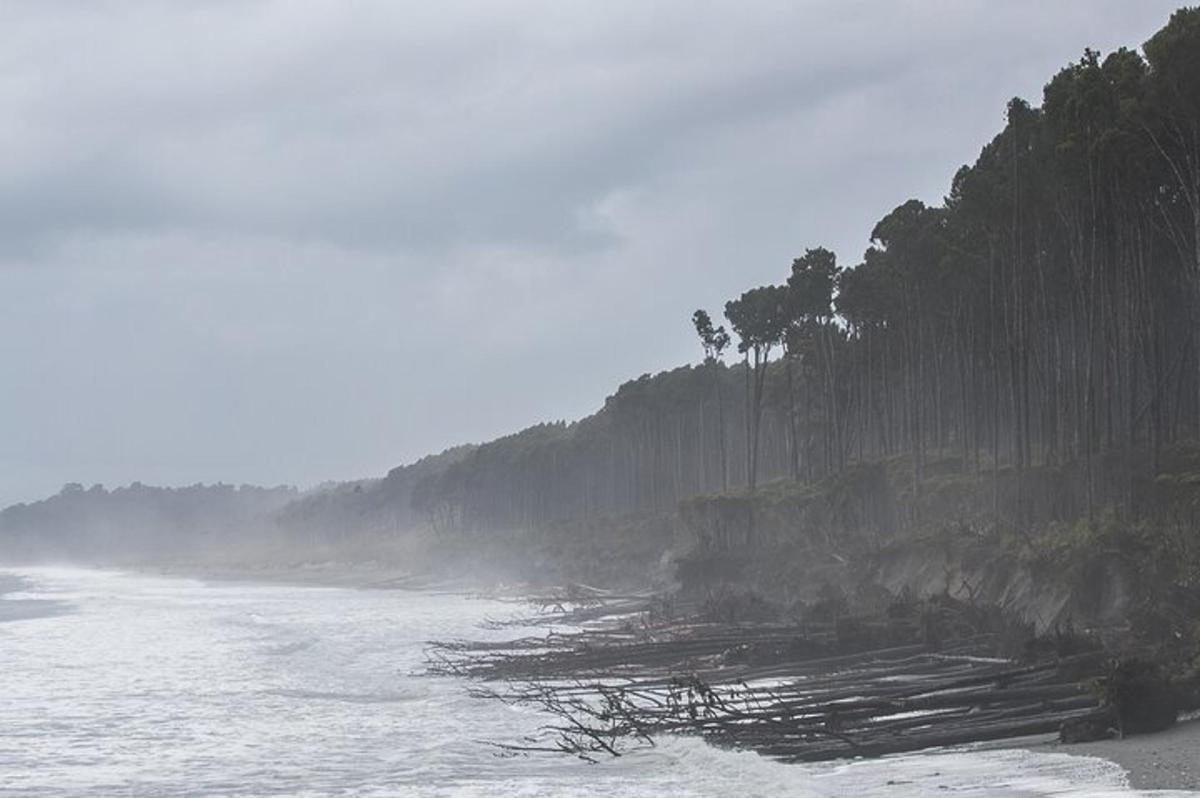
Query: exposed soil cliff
x=874 y=529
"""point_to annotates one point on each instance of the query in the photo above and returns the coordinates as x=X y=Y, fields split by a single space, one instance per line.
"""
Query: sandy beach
x=1168 y=760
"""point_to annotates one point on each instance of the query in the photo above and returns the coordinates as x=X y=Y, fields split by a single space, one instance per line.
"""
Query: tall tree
x=714 y=341
x=810 y=296
x=1173 y=125
x=759 y=317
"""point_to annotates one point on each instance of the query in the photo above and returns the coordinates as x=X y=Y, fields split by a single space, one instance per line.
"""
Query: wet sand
x=1168 y=760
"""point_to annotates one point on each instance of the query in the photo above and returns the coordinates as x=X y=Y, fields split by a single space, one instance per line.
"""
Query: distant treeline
x=376 y=507
x=138 y=521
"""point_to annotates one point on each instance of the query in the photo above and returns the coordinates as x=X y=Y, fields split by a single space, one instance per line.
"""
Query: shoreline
x=341 y=574
x=364 y=575
x=331 y=573
x=1166 y=760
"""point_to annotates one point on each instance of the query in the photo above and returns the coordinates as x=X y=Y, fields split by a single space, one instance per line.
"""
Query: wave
x=379 y=697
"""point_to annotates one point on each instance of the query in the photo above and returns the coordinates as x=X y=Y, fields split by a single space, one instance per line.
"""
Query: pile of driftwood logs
x=812 y=691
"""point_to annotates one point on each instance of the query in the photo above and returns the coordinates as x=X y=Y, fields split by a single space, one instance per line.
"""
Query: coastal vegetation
x=142 y=523
x=1042 y=320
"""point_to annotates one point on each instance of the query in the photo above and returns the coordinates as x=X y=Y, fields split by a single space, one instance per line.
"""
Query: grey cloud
x=366 y=141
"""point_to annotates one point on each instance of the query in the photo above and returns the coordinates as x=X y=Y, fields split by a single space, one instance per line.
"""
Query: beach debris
x=794 y=691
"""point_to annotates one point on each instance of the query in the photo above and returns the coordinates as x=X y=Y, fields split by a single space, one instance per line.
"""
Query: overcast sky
x=293 y=241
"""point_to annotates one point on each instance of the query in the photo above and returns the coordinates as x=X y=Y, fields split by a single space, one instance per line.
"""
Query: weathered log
x=800 y=691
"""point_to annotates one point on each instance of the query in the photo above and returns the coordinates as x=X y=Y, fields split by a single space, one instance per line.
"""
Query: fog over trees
x=1047 y=313
x=141 y=522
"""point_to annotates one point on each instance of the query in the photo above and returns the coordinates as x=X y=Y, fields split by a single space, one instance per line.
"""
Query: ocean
x=123 y=684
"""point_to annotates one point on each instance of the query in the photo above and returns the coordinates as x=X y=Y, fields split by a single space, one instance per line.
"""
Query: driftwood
x=796 y=692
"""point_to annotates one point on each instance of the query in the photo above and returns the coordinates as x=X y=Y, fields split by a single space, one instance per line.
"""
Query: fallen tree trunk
x=813 y=697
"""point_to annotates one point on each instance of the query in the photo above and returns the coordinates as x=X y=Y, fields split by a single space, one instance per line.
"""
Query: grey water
x=124 y=684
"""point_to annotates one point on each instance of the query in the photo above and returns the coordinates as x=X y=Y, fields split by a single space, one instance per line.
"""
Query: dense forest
x=372 y=508
x=1045 y=313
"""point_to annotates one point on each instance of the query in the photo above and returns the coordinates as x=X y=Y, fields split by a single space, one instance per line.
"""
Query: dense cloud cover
x=289 y=241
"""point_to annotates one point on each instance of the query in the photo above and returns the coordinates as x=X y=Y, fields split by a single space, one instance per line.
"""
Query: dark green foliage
x=810 y=286
x=1141 y=694
x=760 y=317
x=714 y=340
x=1047 y=312
x=830 y=605
x=734 y=606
